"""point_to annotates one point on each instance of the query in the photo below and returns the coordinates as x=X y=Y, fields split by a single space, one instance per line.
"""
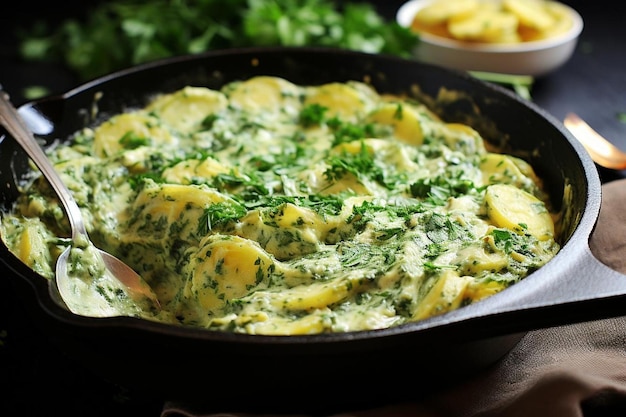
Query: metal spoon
x=603 y=152
x=137 y=288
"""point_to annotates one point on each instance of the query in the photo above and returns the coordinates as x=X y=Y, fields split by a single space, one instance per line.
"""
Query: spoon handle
x=603 y=152
x=15 y=125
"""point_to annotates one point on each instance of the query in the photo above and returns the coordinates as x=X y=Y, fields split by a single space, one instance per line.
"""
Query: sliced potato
x=514 y=209
x=475 y=259
x=493 y=21
x=404 y=120
x=531 y=13
x=342 y=100
x=442 y=10
x=318 y=294
x=109 y=136
x=186 y=109
x=225 y=268
x=185 y=171
x=159 y=207
x=266 y=94
x=485 y=25
x=446 y=295
x=460 y=136
x=32 y=248
x=478 y=290
x=499 y=168
x=313 y=323
x=563 y=19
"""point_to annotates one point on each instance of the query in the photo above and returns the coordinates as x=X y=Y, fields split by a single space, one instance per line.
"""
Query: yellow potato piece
x=304 y=225
x=348 y=184
x=225 y=268
x=477 y=290
x=485 y=25
x=175 y=199
x=301 y=217
x=458 y=134
x=526 y=169
x=187 y=108
x=515 y=209
x=186 y=170
x=32 y=249
x=404 y=120
x=493 y=21
x=317 y=295
x=498 y=168
x=159 y=207
x=309 y=324
x=531 y=13
x=441 y=10
x=474 y=260
x=342 y=100
x=563 y=20
x=355 y=147
x=107 y=136
x=266 y=94
x=446 y=295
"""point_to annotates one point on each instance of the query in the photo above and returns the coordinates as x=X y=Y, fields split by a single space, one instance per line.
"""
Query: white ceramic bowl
x=535 y=58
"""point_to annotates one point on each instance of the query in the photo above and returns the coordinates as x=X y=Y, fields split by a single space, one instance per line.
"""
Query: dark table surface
x=37 y=379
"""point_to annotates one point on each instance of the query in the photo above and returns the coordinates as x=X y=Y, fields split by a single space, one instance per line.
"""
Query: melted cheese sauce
x=273 y=208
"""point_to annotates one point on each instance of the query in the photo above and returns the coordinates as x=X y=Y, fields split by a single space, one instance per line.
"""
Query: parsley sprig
x=437 y=190
x=361 y=165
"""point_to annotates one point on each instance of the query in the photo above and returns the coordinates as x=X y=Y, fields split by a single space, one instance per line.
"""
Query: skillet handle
x=574 y=287
x=594 y=279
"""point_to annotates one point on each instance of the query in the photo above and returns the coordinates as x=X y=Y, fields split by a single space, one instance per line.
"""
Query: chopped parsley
x=218 y=214
x=144 y=31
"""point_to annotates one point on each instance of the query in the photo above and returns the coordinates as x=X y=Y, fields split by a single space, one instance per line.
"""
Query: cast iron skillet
x=318 y=372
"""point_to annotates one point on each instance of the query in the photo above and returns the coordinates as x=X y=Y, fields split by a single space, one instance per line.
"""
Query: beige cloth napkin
x=576 y=370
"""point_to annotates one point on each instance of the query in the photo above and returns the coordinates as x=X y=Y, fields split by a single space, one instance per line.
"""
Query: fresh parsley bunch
x=120 y=33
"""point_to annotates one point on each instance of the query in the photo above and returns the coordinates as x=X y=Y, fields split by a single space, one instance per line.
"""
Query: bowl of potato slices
x=522 y=37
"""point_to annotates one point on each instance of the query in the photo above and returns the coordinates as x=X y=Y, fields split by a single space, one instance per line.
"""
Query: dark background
x=36 y=379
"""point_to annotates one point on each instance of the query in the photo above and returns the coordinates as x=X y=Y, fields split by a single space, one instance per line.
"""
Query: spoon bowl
x=114 y=271
x=105 y=265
